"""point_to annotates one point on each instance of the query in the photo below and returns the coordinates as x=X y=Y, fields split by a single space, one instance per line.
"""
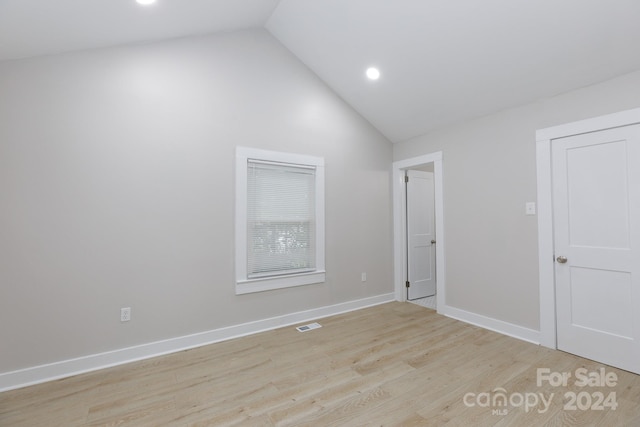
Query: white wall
x=116 y=190
x=489 y=174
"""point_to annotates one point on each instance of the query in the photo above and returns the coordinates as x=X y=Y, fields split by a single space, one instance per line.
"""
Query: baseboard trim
x=505 y=328
x=67 y=368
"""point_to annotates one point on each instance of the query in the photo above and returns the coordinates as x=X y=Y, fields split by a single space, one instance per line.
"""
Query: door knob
x=561 y=259
x=433 y=242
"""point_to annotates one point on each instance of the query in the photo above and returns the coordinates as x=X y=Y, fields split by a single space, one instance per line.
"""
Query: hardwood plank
x=395 y=364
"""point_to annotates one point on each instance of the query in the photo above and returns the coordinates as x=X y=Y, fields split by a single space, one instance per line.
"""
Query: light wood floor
x=397 y=364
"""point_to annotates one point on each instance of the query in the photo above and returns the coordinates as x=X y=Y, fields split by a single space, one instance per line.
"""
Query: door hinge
x=407 y=284
x=406 y=178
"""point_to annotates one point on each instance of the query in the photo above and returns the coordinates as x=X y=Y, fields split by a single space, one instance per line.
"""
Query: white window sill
x=279 y=282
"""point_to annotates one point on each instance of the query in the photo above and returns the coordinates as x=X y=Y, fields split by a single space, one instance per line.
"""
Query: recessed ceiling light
x=145 y=2
x=373 y=73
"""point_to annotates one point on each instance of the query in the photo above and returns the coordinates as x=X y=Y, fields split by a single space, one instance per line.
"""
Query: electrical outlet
x=363 y=277
x=530 y=208
x=125 y=314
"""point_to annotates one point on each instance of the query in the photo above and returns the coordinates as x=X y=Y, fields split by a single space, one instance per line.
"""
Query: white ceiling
x=442 y=61
x=40 y=27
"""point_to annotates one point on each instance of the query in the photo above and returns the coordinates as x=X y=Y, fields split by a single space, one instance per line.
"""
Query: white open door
x=421 y=253
x=596 y=219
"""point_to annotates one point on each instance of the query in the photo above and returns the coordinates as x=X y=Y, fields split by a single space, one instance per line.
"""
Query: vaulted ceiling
x=441 y=61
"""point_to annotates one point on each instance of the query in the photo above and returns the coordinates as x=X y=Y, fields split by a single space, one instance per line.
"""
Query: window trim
x=245 y=285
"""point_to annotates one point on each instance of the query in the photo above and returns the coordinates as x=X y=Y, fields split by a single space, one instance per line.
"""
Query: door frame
x=546 y=255
x=400 y=226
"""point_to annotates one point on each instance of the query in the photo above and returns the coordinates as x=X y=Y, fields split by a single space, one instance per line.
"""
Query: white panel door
x=421 y=251
x=596 y=206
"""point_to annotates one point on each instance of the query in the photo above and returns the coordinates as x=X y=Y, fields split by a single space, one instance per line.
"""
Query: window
x=279 y=220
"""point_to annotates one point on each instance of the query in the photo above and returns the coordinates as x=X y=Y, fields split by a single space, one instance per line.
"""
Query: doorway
x=433 y=163
x=421 y=236
x=589 y=226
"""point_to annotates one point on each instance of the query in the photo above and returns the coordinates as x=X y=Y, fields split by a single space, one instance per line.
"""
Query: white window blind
x=281 y=223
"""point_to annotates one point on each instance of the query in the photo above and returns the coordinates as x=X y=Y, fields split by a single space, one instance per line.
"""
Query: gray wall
x=117 y=189
x=489 y=175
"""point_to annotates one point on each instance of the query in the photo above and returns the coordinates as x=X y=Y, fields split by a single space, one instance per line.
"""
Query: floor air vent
x=308 y=327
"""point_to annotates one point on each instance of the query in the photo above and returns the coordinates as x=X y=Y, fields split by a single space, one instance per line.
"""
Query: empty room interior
x=319 y=213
